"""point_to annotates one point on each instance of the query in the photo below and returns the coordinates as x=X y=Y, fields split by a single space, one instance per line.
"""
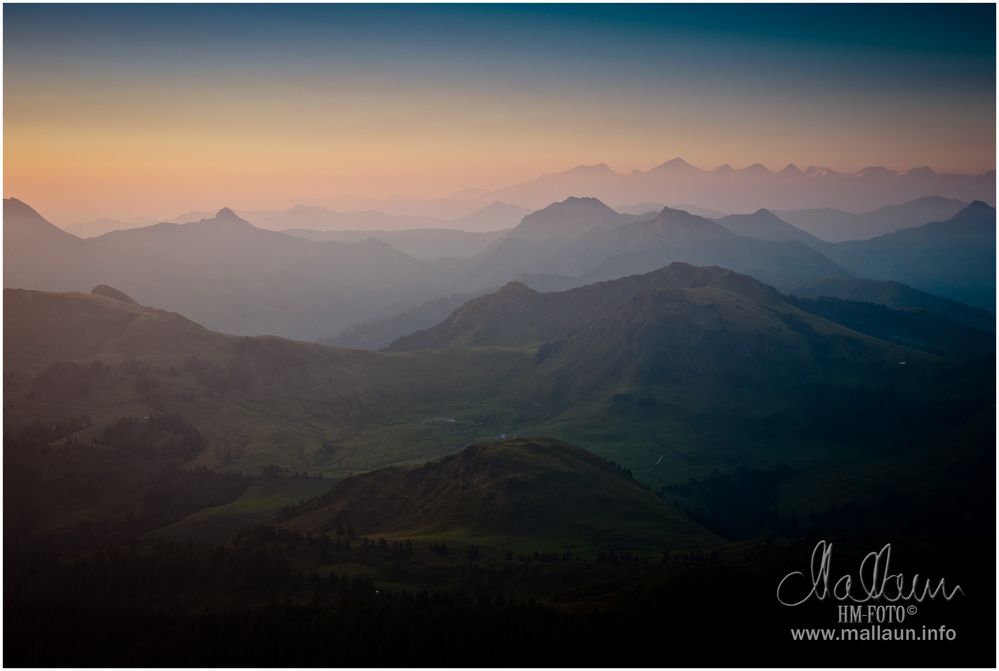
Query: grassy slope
x=705 y=377
x=509 y=492
x=260 y=503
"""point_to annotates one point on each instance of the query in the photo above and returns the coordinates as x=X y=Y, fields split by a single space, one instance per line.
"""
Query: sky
x=153 y=110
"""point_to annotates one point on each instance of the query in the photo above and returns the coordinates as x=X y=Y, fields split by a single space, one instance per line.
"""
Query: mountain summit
x=570 y=217
x=539 y=489
x=225 y=214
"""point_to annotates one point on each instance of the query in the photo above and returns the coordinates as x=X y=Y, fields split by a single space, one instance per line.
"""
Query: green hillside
x=537 y=491
x=674 y=375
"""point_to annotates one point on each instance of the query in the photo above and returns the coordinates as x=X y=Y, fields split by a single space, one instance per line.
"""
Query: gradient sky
x=127 y=110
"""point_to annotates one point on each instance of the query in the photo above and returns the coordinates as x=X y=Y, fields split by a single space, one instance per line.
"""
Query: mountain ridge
x=528 y=490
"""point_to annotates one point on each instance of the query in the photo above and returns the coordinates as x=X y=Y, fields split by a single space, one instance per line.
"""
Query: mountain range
x=238 y=278
x=670 y=374
x=748 y=189
x=304 y=218
x=804 y=197
x=223 y=271
x=834 y=225
x=954 y=258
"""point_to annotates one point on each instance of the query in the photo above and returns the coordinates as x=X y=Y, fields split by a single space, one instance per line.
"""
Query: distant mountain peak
x=818 y=171
x=13 y=206
x=598 y=168
x=674 y=164
x=225 y=216
x=590 y=200
x=791 y=169
x=976 y=211
x=21 y=217
x=514 y=288
x=576 y=204
x=673 y=213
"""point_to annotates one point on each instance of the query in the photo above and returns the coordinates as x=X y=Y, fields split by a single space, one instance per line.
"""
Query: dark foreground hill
x=538 y=491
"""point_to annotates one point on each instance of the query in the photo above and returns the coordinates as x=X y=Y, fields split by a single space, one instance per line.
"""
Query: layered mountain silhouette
x=569 y=218
x=675 y=235
x=765 y=225
x=953 y=258
x=683 y=362
x=224 y=272
x=235 y=277
x=749 y=189
x=378 y=334
x=492 y=217
x=834 y=225
x=516 y=315
x=40 y=255
x=604 y=244
x=900 y=297
x=95 y=227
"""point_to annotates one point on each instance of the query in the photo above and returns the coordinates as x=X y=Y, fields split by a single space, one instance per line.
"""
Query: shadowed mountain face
x=517 y=315
x=834 y=225
x=900 y=297
x=953 y=258
x=764 y=225
x=527 y=490
x=918 y=328
x=718 y=344
x=44 y=328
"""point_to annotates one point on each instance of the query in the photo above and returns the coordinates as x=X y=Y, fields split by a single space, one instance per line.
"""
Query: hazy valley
x=581 y=407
